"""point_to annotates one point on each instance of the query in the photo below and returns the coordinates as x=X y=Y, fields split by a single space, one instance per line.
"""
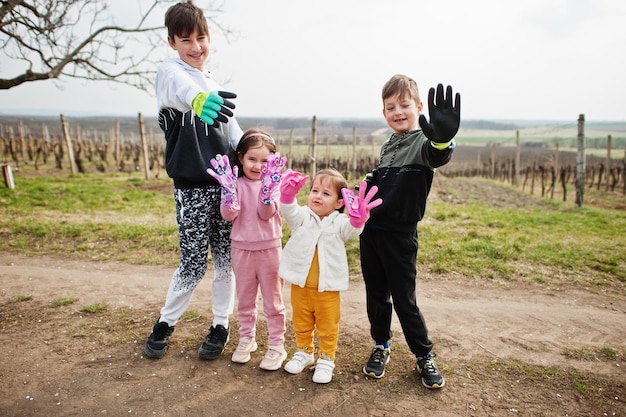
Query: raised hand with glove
x=292 y=182
x=359 y=207
x=271 y=174
x=444 y=117
x=211 y=106
x=227 y=178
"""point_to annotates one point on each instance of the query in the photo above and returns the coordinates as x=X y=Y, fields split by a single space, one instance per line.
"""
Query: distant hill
x=102 y=126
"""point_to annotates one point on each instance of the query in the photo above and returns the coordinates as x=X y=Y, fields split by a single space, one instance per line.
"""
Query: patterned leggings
x=200 y=226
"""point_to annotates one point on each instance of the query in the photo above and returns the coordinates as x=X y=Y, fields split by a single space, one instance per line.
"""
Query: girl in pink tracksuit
x=250 y=201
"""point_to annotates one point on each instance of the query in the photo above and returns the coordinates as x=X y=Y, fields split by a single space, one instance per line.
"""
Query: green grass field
x=124 y=218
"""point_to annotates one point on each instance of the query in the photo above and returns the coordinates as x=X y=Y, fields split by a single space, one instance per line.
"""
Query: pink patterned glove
x=271 y=174
x=292 y=182
x=363 y=205
x=227 y=178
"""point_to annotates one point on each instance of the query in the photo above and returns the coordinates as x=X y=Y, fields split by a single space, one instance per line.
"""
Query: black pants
x=388 y=263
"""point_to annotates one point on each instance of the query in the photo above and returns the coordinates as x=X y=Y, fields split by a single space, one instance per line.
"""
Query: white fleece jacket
x=329 y=235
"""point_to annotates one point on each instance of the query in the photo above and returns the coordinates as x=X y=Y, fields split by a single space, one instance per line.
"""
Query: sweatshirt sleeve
x=175 y=88
x=435 y=157
x=235 y=132
x=267 y=211
x=229 y=213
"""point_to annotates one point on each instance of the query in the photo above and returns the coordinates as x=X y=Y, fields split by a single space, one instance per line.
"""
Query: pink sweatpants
x=254 y=270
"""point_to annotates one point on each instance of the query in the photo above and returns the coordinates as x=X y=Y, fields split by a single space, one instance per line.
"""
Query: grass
x=123 y=218
x=585 y=384
x=95 y=308
x=64 y=301
x=587 y=354
x=20 y=298
x=101 y=217
x=508 y=244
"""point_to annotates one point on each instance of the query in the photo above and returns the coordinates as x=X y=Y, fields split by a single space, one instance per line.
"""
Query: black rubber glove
x=224 y=109
x=444 y=119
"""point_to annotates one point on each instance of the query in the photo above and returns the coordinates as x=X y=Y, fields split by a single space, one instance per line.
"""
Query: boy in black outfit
x=389 y=242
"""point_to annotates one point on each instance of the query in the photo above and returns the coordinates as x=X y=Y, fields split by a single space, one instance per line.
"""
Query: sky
x=536 y=59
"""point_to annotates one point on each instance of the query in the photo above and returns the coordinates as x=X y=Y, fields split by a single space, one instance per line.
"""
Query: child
x=193 y=116
x=316 y=264
x=389 y=242
x=250 y=202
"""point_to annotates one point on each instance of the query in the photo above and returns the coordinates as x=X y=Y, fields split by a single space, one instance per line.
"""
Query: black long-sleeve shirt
x=404 y=178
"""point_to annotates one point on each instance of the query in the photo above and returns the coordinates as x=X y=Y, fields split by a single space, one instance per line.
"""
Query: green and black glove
x=211 y=106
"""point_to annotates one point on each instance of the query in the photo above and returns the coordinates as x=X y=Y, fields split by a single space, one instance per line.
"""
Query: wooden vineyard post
x=20 y=131
x=290 y=151
x=517 y=159
x=313 y=147
x=144 y=146
x=68 y=141
x=8 y=176
x=608 y=162
x=556 y=168
x=580 y=161
x=492 y=162
x=116 y=145
x=354 y=159
x=327 y=156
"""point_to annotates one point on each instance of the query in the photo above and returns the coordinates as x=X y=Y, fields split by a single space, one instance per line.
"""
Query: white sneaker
x=242 y=353
x=274 y=358
x=323 y=371
x=299 y=361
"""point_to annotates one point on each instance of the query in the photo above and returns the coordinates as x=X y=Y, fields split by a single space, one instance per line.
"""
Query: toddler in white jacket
x=314 y=261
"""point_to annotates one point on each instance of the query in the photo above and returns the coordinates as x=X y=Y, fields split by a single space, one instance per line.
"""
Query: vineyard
x=525 y=295
x=543 y=165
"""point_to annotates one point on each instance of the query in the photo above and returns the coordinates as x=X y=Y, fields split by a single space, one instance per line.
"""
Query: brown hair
x=183 y=18
x=253 y=138
x=334 y=178
x=401 y=84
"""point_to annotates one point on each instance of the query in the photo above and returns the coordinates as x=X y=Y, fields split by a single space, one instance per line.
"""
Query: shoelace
x=245 y=344
x=272 y=354
x=429 y=366
x=378 y=356
x=216 y=336
x=161 y=331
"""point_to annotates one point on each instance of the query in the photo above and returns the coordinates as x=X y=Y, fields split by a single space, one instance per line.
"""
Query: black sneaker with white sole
x=431 y=377
x=215 y=342
x=375 y=366
x=156 y=345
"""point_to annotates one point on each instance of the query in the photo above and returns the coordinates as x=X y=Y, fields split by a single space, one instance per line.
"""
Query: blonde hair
x=333 y=177
x=401 y=85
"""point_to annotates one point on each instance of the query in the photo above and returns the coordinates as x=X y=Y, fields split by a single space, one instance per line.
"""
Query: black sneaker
x=215 y=341
x=431 y=378
x=375 y=366
x=156 y=345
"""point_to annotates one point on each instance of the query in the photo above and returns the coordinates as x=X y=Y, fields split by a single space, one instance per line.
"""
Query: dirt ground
x=502 y=351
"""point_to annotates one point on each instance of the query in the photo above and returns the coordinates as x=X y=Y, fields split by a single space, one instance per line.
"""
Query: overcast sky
x=533 y=59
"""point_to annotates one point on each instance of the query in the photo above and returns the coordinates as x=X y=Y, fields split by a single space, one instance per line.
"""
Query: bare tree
x=80 y=39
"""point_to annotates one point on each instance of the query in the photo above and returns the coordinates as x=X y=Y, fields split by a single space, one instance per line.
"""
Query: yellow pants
x=319 y=312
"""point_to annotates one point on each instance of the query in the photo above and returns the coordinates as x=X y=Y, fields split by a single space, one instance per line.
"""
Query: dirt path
x=62 y=361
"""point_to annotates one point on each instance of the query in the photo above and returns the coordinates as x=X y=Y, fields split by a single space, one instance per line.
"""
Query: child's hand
x=291 y=183
x=364 y=205
x=211 y=106
x=444 y=119
x=227 y=178
x=271 y=174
